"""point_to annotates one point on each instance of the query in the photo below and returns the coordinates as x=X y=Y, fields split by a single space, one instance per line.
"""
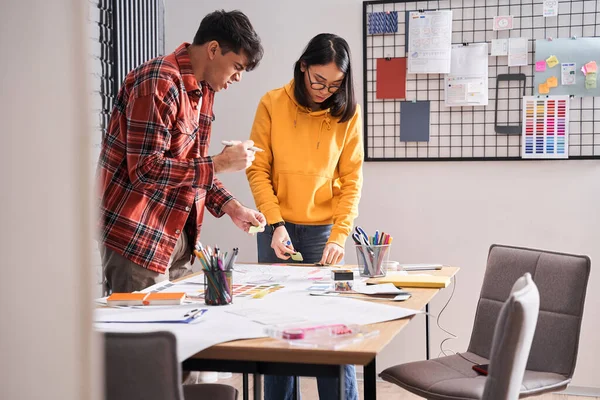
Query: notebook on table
x=416 y=281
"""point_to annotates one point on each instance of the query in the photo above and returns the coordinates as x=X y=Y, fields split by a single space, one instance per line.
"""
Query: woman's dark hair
x=234 y=32
x=321 y=50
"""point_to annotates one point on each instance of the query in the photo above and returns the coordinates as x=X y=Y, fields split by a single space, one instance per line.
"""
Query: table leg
x=257 y=387
x=342 y=383
x=427 y=331
x=245 y=392
x=370 y=381
x=296 y=395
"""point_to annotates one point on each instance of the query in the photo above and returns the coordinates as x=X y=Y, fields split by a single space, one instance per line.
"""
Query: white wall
x=47 y=347
x=449 y=212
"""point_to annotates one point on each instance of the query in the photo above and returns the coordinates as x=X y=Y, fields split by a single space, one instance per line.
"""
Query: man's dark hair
x=321 y=50
x=234 y=32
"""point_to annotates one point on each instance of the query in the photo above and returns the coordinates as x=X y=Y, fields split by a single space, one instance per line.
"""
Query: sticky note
x=256 y=229
x=552 y=61
x=543 y=88
x=590 y=80
x=591 y=67
x=552 y=82
x=540 y=66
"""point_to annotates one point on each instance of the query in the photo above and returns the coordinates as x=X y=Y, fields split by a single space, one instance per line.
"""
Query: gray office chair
x=561 y=280
x=144 y=366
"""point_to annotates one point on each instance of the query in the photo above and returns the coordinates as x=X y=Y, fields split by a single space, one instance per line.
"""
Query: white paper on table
x=216 y=326
x=467 y=82
x=149 y=314
x=550 y=8
x=517 y=51
x=304 y=307
x=382 y=288
x=499 y=47
x=568 y=73
x=429 y=42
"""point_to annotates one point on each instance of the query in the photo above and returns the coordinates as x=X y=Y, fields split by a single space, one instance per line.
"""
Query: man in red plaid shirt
x=155 y=174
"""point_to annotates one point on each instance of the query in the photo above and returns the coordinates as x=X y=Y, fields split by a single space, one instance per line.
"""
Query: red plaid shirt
x=155 y=175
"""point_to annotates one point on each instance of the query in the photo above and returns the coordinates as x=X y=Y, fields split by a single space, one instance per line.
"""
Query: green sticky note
x=590 y=80
x=256 y=229
x=297 y=257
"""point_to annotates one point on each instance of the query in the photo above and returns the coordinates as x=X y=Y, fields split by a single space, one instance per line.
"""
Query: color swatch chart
x=545 y=127
x=252 y=290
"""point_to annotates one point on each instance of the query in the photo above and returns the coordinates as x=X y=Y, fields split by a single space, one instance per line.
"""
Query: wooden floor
x=385 y=390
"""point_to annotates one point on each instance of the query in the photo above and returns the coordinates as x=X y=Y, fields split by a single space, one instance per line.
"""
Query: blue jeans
x=310 y=240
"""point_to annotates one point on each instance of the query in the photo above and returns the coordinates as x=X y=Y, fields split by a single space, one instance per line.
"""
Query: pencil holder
x=218 y=287
x=372 y=259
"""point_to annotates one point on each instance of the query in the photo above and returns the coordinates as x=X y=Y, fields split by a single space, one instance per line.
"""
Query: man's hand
x=234 y=158
x=281 y=243
x=332 y=254
x=243 y=217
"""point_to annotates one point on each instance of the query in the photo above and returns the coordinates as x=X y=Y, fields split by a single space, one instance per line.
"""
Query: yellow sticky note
x=256 y=229
x=543 y=88
x=552 y=61
x=552 y=82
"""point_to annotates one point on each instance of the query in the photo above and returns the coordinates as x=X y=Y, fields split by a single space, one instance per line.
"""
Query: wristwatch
x=277 y=225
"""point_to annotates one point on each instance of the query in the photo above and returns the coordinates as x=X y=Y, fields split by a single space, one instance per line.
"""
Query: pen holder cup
x=373 y=259
x=218 y=289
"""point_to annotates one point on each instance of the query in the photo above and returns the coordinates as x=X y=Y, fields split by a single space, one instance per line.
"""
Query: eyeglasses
x=321 y=86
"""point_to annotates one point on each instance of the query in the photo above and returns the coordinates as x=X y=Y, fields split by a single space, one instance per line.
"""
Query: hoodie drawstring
x=327 y=122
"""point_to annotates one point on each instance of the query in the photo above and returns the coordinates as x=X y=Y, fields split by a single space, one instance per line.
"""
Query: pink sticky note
x=591 y=66
x=540 y=66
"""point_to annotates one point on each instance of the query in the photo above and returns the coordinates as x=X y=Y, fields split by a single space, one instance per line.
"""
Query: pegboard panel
x=468 y=132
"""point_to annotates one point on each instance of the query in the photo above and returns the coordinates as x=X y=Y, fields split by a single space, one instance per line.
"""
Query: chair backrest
x=512 y=341
x=561 y=280
x=142 y=366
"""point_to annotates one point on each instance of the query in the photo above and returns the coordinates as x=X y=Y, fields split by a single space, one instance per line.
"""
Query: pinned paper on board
x=499 y=47
x=552 y=61
x=502 y=23
x=589 y=67
x=430 y=42
x=383 y=22
x=540 y=66
x=466 y=84
x=552 y=82
x=590 y=80
x=414 y=121
x=568 y=73
x=550 y=8
x=546 y=127
x=517 y=52
x=391 y=78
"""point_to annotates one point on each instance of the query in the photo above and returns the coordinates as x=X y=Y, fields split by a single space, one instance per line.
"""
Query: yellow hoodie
x=311 y=170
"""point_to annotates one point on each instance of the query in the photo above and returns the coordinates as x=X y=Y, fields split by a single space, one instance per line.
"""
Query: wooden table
x=268 y=356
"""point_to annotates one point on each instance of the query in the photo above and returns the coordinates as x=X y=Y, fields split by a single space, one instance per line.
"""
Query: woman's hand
x=281 y=243
x=332 y=254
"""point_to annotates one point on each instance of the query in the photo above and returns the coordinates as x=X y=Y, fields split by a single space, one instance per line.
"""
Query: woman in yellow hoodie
x=308 y=180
